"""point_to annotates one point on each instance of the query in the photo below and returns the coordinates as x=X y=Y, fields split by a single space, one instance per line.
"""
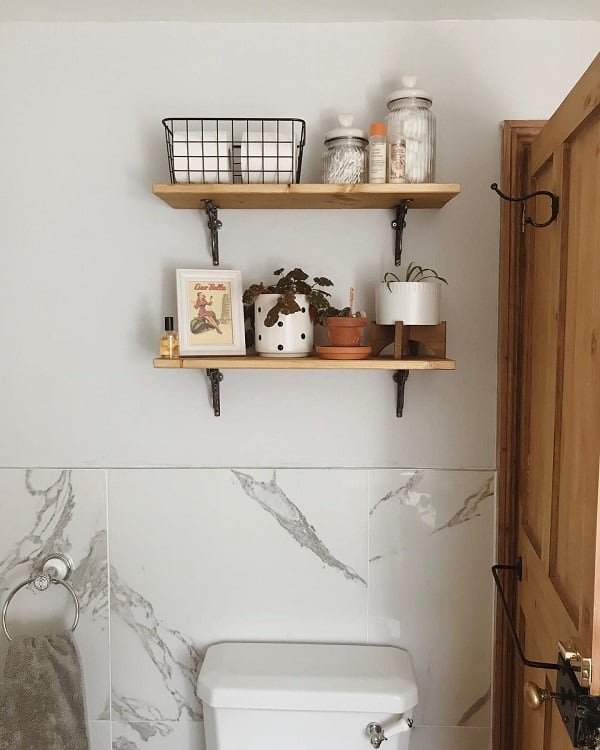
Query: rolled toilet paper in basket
x=268 y=157
x=202 y=157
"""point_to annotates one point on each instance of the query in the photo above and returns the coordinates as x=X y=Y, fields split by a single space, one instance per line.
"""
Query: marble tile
x=430 y=588
x=100 y=735
x=200 y=556
x=450 y=738
x=158 y=735
x=59 y=511
x=272 y=497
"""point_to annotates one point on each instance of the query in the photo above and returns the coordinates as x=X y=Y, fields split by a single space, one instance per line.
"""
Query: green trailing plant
x=345 y=312
x=413 y=273
x=287 y=286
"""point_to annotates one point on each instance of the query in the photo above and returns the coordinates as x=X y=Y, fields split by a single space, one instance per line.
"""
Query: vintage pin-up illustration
x=211 y=316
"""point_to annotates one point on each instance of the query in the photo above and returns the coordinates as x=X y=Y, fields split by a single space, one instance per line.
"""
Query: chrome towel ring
x=55 y=570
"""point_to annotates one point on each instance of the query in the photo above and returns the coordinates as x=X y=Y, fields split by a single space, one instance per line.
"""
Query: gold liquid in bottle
x=169 y=341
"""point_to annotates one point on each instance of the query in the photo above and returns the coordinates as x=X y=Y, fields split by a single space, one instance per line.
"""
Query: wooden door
x=549 y=420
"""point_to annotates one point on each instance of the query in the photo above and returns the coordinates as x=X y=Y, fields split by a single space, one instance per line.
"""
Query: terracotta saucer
x=343 y=352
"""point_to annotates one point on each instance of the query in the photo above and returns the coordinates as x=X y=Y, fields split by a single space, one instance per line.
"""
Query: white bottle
x=396 y=152
x=377 y=153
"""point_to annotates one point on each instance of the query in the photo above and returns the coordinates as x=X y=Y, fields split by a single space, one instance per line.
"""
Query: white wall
x=89 y=253
x=89 y=256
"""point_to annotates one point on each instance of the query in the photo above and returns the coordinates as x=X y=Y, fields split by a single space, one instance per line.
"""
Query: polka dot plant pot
x=291 y=336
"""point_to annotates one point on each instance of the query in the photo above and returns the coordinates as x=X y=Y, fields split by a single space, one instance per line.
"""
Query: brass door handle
x=535 y=696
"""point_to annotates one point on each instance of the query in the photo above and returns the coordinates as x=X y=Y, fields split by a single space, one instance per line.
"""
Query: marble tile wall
x=194 y=556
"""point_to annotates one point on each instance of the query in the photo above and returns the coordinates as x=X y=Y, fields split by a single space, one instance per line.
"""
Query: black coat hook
x=529 y=220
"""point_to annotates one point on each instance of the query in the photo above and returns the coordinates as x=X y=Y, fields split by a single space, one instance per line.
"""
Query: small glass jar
x=345 y=156
x=411 y=134
x=169 y=341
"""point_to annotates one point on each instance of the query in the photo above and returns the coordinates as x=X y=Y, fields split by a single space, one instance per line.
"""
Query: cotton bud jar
x=411 y=124
x=345 y=156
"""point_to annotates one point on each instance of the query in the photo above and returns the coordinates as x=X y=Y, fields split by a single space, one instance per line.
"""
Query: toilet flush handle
x=378 y=733
x=375 y=733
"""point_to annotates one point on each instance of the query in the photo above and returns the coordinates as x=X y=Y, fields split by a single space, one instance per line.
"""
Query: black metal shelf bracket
x=400 y=377
x=215 y=376
x=517 y=568
x=214 y=224
x=528 y=220
x=398 y=226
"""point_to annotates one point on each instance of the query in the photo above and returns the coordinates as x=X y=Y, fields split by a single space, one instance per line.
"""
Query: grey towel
x=41 y=696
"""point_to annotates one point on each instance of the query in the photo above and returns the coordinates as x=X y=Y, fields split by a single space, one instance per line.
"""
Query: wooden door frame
x=517 y=136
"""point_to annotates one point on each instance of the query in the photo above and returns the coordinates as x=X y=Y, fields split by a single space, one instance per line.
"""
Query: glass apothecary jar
x=411 y=134
x=345 y=156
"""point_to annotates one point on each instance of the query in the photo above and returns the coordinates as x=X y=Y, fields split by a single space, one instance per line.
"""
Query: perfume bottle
x=169 y=341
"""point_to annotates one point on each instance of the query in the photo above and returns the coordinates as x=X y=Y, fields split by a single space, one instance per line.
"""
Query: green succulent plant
x=414 y=273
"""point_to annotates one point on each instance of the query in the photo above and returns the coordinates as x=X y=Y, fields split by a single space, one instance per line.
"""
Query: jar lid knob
x=409 y=90
x=408 y=81
x=345 y=129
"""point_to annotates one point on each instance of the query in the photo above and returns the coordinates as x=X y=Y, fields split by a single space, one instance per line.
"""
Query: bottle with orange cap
x=377 y=153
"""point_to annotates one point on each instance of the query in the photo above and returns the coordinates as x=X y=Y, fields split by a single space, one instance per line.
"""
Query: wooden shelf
x=214 y=365
x=251 y=362
x=429 y=195
x=212 y=197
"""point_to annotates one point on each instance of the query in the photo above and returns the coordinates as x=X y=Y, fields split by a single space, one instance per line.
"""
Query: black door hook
x=529 y=220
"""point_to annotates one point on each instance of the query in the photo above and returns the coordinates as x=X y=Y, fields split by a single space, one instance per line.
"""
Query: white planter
x=412 y=302
x=291 y=336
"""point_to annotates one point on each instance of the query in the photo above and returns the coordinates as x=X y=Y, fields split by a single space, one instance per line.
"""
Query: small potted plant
x=345 y=327
x=414 y=299
x=284 y=313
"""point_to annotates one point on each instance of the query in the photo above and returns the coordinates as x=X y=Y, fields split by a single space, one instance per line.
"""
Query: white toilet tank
x=301 y=696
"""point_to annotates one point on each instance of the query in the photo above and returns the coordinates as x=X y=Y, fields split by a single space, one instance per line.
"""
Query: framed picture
x=210 y=312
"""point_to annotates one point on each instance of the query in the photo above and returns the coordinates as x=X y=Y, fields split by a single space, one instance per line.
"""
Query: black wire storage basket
x=235 y=150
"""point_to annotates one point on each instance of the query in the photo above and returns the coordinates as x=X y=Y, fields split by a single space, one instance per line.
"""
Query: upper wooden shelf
x=251 y=362
x=428 y=195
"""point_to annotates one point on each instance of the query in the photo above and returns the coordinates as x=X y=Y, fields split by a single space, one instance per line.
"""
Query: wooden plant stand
x=409 y=340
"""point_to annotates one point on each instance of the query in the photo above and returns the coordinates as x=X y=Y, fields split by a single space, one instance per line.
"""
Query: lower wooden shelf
x=214 y=365
x=251 y=362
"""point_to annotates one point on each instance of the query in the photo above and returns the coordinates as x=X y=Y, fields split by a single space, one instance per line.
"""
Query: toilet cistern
x=315 y=695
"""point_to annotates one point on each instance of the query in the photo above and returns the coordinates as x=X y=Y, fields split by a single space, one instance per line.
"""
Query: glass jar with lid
x=345 y=156
x=411 y=134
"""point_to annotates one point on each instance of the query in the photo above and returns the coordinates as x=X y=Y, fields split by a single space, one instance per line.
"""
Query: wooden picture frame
x=210 y=312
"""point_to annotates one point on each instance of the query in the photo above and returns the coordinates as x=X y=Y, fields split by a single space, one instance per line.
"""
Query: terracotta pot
x=345 y=331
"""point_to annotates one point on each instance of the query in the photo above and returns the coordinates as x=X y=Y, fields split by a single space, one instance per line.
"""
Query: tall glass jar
x=345 y=156
x=411 y=134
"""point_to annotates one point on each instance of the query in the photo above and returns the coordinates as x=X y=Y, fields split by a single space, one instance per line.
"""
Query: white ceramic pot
x=412 y=302
x=291 y=336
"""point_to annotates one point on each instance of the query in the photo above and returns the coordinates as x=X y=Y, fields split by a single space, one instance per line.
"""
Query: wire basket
x=250 y=150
